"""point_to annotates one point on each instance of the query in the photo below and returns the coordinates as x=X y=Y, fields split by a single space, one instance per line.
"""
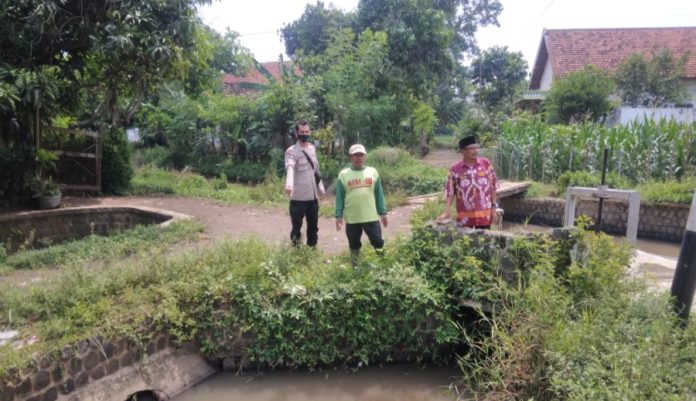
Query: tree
x=426 y=38
x=654 y=83
x=311 y=33
x=582 y=95
x=351 y=88
x=53 y=52
x=498 y=75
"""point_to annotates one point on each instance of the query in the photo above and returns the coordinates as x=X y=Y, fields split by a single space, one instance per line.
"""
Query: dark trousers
x=298 y=211
x=371 y=228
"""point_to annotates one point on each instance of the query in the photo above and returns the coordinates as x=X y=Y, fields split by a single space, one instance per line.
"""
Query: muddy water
x=660 y=248
x=393 y=383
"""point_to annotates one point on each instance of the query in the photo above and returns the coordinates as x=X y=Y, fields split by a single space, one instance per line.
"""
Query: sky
x=521 y=22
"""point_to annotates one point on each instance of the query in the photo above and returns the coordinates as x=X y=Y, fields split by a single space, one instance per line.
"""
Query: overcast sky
x=521 y=21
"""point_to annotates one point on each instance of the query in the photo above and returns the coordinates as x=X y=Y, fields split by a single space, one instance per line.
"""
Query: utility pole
x=684 y=281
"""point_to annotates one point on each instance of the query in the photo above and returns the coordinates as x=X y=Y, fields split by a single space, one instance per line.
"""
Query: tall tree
x=311 y=33
x=498 y=75
x=655 y=82
x=427 y=38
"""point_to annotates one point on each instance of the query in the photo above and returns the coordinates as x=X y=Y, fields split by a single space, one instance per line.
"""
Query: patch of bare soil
x=273 y=224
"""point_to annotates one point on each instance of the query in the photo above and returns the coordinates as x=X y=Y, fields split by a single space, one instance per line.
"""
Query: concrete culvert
x=147 y=395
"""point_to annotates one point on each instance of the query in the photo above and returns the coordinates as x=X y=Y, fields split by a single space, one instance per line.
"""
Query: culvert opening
x=146 y=395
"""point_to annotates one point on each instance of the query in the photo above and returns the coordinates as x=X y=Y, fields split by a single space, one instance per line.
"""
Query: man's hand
x=288 y=190
x=339 y=223
x=494 y=215
x=384 y=220
x=444 y=215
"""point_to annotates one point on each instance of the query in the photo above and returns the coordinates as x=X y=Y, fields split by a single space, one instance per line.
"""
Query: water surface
x=392 y=383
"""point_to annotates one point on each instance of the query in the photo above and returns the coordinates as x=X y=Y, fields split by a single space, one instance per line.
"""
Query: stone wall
x=662 y=221
x=56 y=226
x=107 y=371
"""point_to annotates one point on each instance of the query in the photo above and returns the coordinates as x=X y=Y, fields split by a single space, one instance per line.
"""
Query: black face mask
x=303 y=138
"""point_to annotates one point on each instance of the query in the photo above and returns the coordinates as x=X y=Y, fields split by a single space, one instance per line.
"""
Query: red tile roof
x=572 y=49
x=254 y=79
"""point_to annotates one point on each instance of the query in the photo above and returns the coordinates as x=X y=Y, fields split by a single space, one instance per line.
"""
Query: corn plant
x=640 y=151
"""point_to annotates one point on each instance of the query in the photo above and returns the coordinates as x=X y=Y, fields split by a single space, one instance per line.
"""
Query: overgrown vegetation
x=589 y=333
x=150 y=180
x=575 y=333
x=402 y=176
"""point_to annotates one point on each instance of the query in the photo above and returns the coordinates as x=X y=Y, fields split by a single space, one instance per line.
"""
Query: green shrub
x=116 y=168
x=669 y=191
x=235 y=171
x=220 y=183
x=152 y=180
x=156 y=156
x=587 y=334
x=281 y=297
x=402 y=173
x=540 y=190
x=17 y=166
x=585 y=179
x=3 y=254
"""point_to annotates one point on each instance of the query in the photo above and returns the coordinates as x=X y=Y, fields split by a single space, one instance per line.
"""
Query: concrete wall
x=547 y=76
x=59 y=225
x=664 y=222
x=108 y=371
x=625 y=115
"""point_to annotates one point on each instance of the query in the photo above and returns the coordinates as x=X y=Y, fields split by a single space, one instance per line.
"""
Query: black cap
x=466 y=141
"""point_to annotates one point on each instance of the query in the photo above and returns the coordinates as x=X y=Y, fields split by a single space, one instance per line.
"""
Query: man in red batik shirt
x=472 y=181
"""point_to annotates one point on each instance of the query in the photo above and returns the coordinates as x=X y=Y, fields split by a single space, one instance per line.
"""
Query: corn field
x=641 y=151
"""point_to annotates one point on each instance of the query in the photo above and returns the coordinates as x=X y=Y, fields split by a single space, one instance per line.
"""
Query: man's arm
x=449 y=197
x=340 y=203
x=380 y=202
x=493 y=179
x=290 y=171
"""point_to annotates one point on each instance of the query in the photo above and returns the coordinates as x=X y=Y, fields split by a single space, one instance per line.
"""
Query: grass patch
x=401 y=173
x=150 y=180
x=444 y=142
x=668 y=192
x=102 y=248
x=541 y=190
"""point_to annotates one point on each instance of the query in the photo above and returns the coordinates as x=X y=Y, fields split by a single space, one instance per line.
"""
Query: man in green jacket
x=360 y=202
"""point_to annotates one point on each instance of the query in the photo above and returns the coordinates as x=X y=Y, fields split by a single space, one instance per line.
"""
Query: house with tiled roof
x=257 y=77
x=562 y=51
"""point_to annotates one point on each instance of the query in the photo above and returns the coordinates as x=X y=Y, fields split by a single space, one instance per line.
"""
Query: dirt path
x=441 y=158
x=221 y=220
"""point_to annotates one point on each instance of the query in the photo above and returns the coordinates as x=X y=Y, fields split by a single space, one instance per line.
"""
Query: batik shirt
x=472 y=187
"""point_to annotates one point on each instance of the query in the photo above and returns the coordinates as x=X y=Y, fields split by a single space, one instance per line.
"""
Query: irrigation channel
x=391 y=383
x=395 y=382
